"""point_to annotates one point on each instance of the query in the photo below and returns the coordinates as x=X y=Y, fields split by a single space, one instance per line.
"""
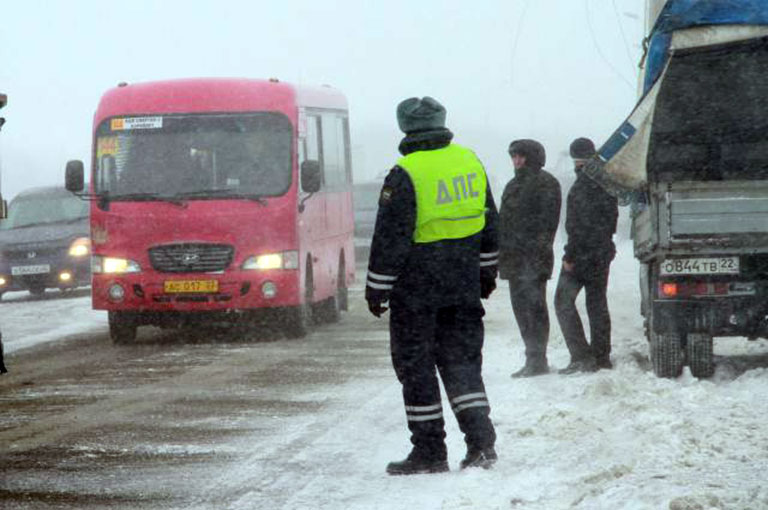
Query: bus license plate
x=23 y=270
x=190 y=286
x=713 y=265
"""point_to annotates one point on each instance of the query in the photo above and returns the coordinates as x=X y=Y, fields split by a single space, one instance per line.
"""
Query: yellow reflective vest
x=450 y=188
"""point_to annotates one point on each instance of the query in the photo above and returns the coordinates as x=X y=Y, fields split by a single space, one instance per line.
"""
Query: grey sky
x=504 y=69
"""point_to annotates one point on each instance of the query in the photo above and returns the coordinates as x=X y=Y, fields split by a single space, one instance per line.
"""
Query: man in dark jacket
x=591 y=216
x=433 y=256
x=529 y=216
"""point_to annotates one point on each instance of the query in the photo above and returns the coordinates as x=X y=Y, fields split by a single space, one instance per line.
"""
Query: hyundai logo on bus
x=190 y=258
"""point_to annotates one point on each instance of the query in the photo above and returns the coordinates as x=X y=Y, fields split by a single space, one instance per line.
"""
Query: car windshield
x=194 y=156
x=44 y=208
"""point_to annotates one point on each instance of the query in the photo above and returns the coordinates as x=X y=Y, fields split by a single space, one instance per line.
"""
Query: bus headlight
x=80 y=247
x=113 y=265
x=283 y=260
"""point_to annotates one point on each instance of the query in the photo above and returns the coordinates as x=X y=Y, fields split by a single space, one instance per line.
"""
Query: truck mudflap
x=716 y=317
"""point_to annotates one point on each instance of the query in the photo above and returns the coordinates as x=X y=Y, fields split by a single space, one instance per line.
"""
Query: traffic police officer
x=433 y=256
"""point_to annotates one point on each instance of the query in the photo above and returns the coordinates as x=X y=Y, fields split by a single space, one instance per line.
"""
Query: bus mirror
x=75 y=176
x=310 y=176
x=3 y=209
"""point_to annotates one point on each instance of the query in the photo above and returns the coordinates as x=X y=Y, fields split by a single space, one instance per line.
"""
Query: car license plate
x=24 y=270
x=713 y=265
x=190 y=286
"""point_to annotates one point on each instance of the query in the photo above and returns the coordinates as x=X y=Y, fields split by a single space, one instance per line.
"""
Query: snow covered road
x=619 y=439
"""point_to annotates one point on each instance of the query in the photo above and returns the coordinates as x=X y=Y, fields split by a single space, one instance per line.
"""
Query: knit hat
x=535 y=155
x=582 y=148
x=414 y=114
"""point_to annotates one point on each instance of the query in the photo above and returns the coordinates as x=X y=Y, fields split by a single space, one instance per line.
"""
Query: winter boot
x=479 y=457
x=417 y=463
x=532 y=368
x=604 y=363
x=582 y=365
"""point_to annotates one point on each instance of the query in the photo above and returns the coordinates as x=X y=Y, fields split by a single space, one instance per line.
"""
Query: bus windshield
x=194 y=156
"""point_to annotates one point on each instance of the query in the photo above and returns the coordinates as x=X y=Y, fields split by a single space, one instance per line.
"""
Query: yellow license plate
x=190 y=286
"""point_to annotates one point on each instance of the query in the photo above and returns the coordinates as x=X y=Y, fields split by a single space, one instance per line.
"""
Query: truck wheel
x=700 y=356
x=667 y=354
x=122 y=327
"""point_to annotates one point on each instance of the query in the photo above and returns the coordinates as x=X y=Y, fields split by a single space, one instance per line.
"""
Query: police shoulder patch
x=386 y=195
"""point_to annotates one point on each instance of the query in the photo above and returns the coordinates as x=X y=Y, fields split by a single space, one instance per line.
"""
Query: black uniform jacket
x=437 y=274
x=529 y=216
x=590 y=221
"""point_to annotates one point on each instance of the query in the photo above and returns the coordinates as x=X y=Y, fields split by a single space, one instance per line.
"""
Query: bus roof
x=214 y=95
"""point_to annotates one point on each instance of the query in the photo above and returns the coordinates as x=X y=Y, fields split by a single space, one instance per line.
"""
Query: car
x=366 y=203
x=45 y=242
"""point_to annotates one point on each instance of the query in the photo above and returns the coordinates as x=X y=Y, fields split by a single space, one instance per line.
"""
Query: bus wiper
x=148 y=197
x=221 y=193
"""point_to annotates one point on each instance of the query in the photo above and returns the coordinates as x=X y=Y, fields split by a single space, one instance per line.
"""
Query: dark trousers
x=450 y=340
x=595 y=284
x=529 y=303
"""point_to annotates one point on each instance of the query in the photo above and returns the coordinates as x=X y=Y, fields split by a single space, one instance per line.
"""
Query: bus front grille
x=191 y=257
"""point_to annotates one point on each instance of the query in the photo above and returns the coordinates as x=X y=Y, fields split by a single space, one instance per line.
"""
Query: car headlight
x=283 y=260
x=80 y=247
x=113 y=265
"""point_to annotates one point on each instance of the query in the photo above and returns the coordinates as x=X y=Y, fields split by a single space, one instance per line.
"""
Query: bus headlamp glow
x=284 y=260
x=3 y=281
x=113 y=265
x=80 y=247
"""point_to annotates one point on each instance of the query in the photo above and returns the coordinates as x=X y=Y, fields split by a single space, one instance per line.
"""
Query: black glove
x=376 y=299
x=377 y=307
x=487 y=286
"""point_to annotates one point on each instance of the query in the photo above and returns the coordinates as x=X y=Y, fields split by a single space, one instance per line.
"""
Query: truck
x=692 y=162
x=219 y=200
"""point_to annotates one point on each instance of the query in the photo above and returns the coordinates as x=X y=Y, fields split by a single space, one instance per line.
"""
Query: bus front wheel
x=122 y=327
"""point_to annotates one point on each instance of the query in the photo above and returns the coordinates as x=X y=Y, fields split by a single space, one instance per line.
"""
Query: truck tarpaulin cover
x=682 y=27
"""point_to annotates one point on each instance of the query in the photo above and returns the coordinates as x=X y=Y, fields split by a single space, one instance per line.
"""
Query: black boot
x=533 y=368
x=417 y=463
x=479 y=457
x=604 y=364
x=583 y=365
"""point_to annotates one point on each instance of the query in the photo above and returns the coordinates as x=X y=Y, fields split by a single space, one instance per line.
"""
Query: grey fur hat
x=535 y=155
x=414 y=114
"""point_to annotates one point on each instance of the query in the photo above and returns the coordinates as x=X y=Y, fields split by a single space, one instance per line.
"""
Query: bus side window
x=312 y=146
x=336 y=151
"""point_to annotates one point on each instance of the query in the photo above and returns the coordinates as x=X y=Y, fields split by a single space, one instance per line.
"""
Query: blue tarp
x=678 y=14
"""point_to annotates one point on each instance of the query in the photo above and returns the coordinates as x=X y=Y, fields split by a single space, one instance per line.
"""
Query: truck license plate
x=713 y=265
x=38 y=269
x=190 y=286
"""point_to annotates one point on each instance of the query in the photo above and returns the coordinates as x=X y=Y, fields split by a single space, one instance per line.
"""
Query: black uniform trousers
x=529 y=303
x=595 y=283
x=450 y=339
